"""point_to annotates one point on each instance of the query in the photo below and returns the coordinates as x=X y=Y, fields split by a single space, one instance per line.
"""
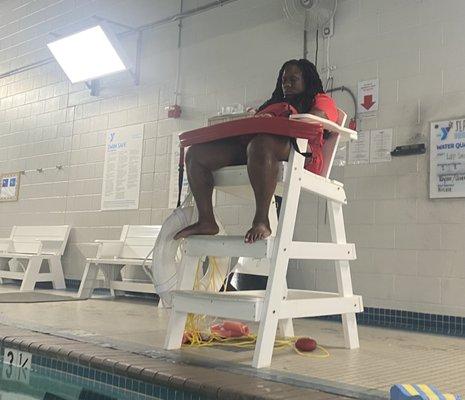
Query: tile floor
x=384 y=358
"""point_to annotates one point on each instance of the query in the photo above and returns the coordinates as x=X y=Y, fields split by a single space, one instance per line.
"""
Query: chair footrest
x=27 y=255
x=228 y=246
x=133 y=286
x=231 y=246
x=247 y=305
x=119 y=261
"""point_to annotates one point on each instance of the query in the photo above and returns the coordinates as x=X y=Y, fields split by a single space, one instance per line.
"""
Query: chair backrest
x=138 y=240
x=330 y=145
x=26 y=239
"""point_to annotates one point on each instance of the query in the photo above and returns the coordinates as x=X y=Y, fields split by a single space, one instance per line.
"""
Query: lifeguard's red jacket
x=322 y=103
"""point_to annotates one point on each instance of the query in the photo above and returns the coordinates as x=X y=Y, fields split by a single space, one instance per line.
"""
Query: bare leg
x=263 y=155
x=201 y=160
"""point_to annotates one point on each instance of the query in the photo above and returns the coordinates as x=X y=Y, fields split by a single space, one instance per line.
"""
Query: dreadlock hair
x=303 y=102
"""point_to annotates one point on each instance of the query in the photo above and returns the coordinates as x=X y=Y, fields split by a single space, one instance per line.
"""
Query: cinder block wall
x=410 y=248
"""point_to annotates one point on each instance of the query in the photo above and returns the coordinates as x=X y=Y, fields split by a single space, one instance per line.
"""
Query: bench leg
x=112 y=273
x=32 y=273
x=89 y=278
x=56 y=269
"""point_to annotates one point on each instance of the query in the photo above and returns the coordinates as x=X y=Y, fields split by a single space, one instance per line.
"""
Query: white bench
x=36 y=244
x=133 y=247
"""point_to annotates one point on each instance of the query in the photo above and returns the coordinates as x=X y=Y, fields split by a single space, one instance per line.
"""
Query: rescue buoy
x=167 y=256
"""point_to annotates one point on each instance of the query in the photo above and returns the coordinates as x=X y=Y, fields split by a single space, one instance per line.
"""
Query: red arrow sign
x=368 y=101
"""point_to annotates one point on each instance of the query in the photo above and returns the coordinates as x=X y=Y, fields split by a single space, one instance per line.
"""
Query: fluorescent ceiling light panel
x=87 y=55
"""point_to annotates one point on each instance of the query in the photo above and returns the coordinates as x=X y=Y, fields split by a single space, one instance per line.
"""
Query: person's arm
x=318 y=113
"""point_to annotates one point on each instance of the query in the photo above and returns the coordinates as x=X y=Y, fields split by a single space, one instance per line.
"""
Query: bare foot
x=259 y=231
x=199 y=228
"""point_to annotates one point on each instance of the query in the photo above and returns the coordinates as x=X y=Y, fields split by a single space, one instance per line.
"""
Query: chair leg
x=344 y=281
x=269 y=316
x=175 y=330
x=88 y=281
x=286 y=326
x=276 y=285
x=177 y=322
x=56 y=269
x=32 y=273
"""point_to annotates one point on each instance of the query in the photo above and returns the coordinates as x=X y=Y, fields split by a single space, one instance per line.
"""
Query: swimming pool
x=52 y=379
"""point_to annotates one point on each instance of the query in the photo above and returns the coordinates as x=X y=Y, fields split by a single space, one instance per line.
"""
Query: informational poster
x=340 y=158
x=359 y=150
x=368 y=92
x=174 y=175
x=9 y=188
x=122 y=168
x=447 y=158
x=380 y=145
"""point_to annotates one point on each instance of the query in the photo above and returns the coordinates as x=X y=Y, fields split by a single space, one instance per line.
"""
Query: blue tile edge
x=104 y=381
x=409 y=320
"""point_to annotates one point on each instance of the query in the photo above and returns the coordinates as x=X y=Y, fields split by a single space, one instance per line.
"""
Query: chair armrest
x=49 y=245
x=346 y=133
x=5 y=245
x=109 y=248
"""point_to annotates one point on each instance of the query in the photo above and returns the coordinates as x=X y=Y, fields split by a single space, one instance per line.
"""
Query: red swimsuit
x=322 y=103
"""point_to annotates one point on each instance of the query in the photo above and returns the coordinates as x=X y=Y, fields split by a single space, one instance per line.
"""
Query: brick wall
x=410 y=252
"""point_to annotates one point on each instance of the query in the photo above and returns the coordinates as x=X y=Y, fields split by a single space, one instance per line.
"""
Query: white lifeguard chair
x=277 y=303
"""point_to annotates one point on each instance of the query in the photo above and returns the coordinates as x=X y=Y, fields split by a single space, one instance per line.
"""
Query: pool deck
x=125 y=335
x=157 y=370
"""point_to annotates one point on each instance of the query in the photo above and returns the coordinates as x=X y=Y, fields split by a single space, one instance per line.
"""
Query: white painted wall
x=410 y=249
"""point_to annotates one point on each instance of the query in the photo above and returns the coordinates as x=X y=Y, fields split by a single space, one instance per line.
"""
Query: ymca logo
x=445 y=131
x=112 y=136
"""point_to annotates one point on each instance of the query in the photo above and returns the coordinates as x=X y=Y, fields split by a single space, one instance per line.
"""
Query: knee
x=260 y=148
x=193 y=154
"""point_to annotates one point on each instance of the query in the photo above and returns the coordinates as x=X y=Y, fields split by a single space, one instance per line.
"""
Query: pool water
x=51 y=379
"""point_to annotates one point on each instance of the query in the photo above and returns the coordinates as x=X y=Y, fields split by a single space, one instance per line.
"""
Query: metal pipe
x=181 y=15
x=346 y=89
x=27 y=67
x=178 y=67
x=155 y=24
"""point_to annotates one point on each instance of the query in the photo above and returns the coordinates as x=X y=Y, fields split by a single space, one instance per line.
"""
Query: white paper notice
x=380 y=145
x=174 y=175
x=447 y=159
x=359 y=150
x=122 y=169
x=340 y=158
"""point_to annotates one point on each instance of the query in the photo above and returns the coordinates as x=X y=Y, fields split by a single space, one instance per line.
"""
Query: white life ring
x=165 y=253
x=167 y=257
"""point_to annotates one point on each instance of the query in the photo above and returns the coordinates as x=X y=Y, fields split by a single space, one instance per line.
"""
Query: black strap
x=296 y=148
x=180 y=174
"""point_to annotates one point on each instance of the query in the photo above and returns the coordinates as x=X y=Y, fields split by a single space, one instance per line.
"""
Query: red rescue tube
x=305 y=344
x=280 y=126
x=230 y=329
x=238 y=327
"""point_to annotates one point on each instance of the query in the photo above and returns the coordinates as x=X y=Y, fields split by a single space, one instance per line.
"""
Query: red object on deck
x=280 y=126
x=305 y=344
x=230 y=329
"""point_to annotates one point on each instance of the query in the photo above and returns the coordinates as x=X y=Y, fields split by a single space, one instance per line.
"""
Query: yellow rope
x=203 y=338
